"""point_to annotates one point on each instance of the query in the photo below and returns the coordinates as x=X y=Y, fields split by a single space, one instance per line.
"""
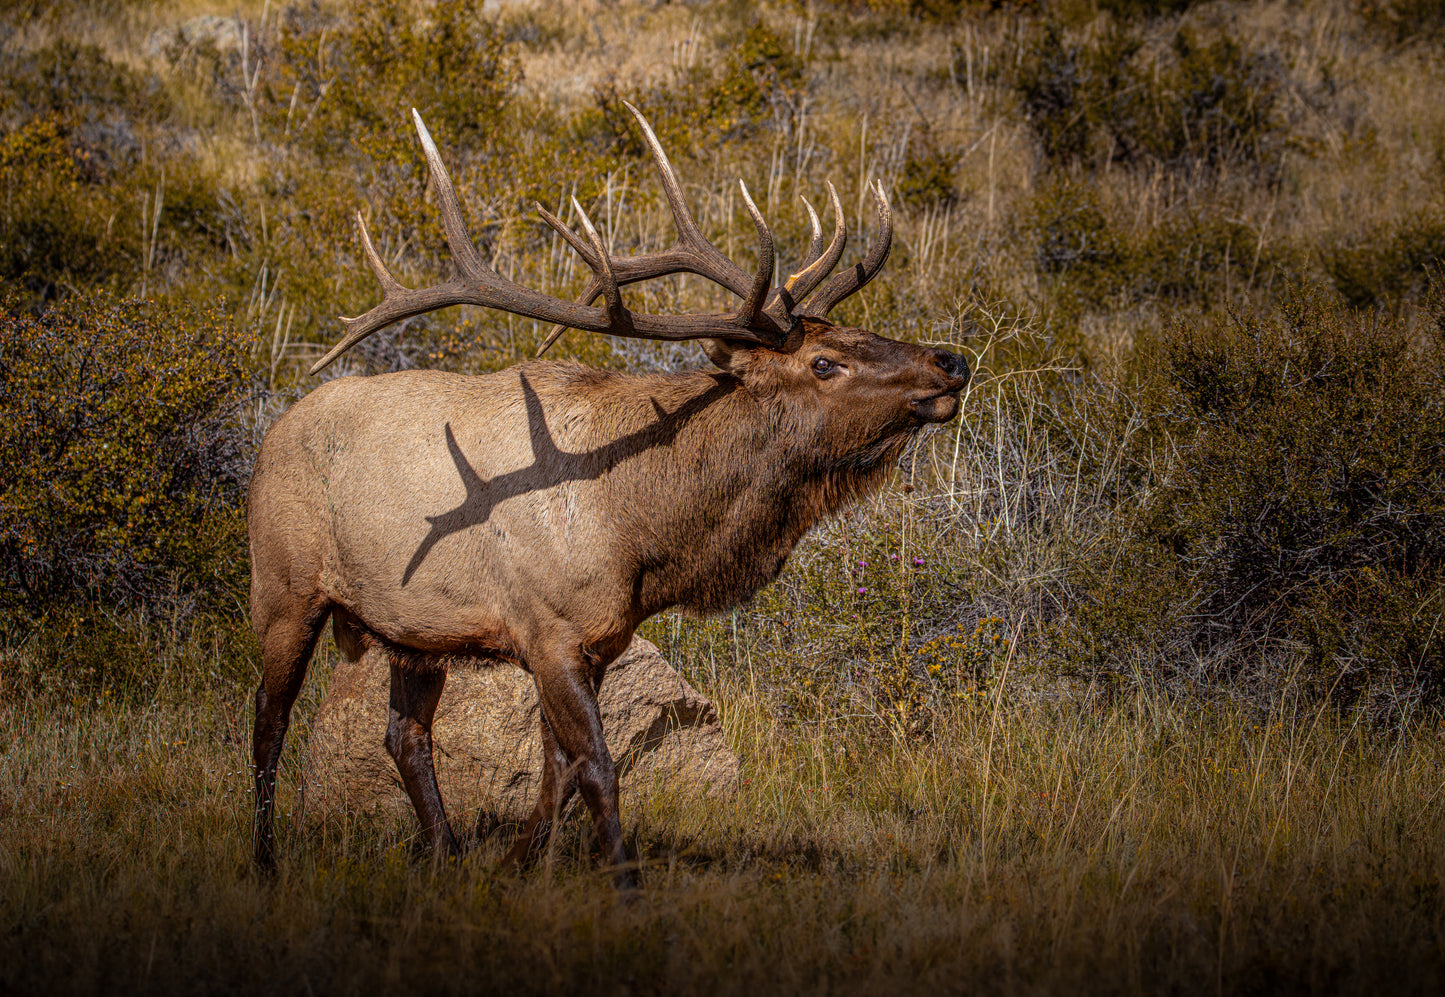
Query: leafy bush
x=122 y=460
x=362 y=70
x=709 y=107
x=1102 y=101
x=78 y=80
x=1389 y=261
x=1090 y=258
x=82 y=198
x=1145 y=9
x=1404 y=21
x=1193 y=256
x=1068 y=89
x=1075 y=239
x=927 y=177
x=1305 y=509
x=54 y=231
x=1222 y=106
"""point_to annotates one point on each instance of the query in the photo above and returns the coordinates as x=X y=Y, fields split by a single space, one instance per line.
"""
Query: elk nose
x=951 y=364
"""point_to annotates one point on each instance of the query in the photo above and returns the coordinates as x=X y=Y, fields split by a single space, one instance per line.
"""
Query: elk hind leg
x=415 y=692
x=287 y=640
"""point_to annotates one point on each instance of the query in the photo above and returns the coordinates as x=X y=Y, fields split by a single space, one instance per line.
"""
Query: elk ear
x=726 y=354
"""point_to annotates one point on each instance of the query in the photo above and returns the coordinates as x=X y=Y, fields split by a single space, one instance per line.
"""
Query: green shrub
x=1076 y=242
x=1389 y=261
x=361 y=70
x=927 y=177
x=1067 y=89
x=1404 y=21
x=75 y=80
x=1195 y=257
x=1144 y=9
x=710 y=107
x=122 y=460
x=82 y=196
x=1320 y=452
x=1217 y=103
x=1089 y=259
x=1305 y=508
x=56 y=221
x=1101 y=101
x=871 y=619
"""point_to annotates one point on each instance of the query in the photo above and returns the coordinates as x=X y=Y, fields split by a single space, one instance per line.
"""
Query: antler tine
x=802 y=283
x=357 y=328
x=815 y=244
x=582 y=249
x=818 y=264
x=464 y=251
x=475 y=283
x=602 y=275
x=383 y=275
x=692 y=253
x=752 y=307
x=594 y=284
x=714 y=265
x=554 y=334
x=850 y=281
x=688 y=231
x=397 y=302
x=686 y=227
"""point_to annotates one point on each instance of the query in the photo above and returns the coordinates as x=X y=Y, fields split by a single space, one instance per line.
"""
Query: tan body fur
x=511 y=519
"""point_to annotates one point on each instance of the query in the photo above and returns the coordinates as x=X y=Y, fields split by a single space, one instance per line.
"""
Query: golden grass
x=1140 y=846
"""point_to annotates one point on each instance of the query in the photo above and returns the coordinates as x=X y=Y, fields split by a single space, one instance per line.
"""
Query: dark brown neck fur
x=731 y=479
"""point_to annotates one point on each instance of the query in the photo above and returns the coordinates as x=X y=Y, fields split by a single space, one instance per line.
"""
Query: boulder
x=486 y=743
x=222 y=32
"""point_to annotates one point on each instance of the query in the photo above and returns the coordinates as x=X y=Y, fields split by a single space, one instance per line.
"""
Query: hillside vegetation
x=1131 y=676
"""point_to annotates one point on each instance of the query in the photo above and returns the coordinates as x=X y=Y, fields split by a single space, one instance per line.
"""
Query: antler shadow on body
x=550 y=465
x=575 y=503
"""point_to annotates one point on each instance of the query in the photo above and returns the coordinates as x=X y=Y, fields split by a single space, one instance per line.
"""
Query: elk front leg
x=414 y=696
x=558 y=785
x=569 y=704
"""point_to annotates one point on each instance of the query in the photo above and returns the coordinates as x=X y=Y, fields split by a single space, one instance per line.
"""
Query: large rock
x=486 y=742
x=222 y=32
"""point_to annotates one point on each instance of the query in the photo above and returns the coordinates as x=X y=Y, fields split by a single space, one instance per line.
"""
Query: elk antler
x=692 y=253
x=850 y=281
x=766 y=315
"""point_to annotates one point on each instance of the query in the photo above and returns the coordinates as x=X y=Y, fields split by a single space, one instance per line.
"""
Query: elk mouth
x=936 y=408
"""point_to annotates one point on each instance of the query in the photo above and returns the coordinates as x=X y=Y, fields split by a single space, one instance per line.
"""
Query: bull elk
x=540 y=514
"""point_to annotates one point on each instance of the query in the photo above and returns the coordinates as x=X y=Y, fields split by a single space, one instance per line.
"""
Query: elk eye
x=822 y=365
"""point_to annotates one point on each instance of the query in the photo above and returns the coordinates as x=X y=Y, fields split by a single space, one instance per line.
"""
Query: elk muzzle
x=942 y=405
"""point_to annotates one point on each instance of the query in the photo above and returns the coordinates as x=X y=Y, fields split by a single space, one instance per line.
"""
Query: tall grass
x=1131 y=846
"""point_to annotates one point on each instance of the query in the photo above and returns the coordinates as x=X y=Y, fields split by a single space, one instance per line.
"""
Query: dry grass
x=1142 y=846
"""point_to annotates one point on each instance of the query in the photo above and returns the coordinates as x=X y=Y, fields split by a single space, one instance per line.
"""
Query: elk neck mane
x=728 y=478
